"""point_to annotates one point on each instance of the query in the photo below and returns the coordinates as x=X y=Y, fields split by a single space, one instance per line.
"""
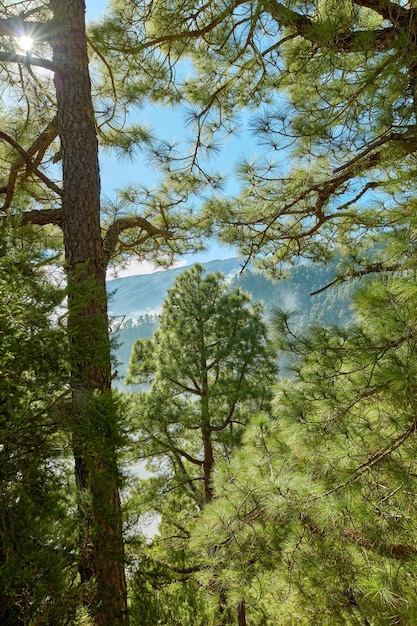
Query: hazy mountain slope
x=135 y=300
x=136 y=295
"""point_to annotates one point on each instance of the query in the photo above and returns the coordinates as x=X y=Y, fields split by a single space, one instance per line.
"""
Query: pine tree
x=210 y=366
x=51 y=119
x=331 y=93
x=315 y=512
x=37 y=563
x=333 y=89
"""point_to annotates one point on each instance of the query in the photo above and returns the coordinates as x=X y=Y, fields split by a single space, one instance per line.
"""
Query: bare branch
x=38 y=147
x=126 y=223
x=13 y=57
x=40 y=217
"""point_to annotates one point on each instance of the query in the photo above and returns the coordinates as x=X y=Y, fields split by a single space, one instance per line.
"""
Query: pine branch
x=372 y=460
x=390 y=11
x=39 y=147
x=40 y=217
x=17 y=26
x=25 y=155
x=22 y=59
x=322 y=192
x=401 y=552
x=126 y=223
x=374 y=268
x=193 y=33
x=170 y=446
x=351 y=41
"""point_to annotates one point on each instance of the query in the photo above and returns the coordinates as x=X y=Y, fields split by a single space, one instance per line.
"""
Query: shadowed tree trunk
x=93 y=417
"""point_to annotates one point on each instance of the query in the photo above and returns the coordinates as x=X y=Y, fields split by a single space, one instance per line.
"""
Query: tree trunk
x=241 y=613
x=206 y=430
x=93 y=414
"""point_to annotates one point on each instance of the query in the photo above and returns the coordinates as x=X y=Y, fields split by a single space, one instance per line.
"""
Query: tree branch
x=390 y=11
x=182 y=453
x=40 y=217
x=125 y=223
x=16 y=26
x=176 y=450
x=402 y=552
x=377 y=39
x=372 y=460
x=13 y=57
x=39 y=147
x=319 y=194
x=192 y=33
x=369 y=269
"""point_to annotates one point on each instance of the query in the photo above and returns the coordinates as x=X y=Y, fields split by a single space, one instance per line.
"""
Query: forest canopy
x=308 y=514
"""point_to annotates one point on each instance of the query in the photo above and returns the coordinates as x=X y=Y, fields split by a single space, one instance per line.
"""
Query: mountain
x=135 y=301
x=134 y=296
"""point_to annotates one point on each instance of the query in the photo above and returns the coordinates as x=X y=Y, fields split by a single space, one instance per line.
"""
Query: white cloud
x=135 y=268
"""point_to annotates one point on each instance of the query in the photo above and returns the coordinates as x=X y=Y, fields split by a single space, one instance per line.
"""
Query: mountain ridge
x=144 y=293
x=135 y=301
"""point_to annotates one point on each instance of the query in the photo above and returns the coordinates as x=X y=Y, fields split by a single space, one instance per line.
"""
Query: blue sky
x=117 y=174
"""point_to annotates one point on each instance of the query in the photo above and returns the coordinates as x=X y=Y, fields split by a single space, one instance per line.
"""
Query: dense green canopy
x=315 y=513
x=312 y=519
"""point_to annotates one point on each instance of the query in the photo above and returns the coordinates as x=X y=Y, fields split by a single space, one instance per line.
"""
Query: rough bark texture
x=93 y=416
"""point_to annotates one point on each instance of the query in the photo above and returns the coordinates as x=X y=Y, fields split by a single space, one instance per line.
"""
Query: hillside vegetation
x=145 y=294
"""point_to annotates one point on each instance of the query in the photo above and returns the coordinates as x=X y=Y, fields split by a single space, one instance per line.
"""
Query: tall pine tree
x=50 y=179
x=315 y=514
x=210 y=365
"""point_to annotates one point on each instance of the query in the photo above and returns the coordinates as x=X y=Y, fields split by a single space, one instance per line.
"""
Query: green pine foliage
x=313 y=521
x=37 y=568
x=315 y=513
x=330 y=91
x=305 y=519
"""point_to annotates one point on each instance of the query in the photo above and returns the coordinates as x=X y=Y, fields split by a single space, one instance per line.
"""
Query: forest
x=258 y=470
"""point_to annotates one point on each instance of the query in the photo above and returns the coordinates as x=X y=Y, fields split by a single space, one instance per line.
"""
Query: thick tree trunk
x=93 y=415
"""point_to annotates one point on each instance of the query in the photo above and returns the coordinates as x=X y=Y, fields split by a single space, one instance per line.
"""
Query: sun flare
x=25 y=43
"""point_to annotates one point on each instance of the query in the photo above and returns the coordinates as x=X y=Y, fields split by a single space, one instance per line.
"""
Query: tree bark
x=206 y=430
x=93 y=418
x=241 y=613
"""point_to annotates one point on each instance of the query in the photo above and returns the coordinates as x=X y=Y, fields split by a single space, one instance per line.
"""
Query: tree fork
x=93 y=419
